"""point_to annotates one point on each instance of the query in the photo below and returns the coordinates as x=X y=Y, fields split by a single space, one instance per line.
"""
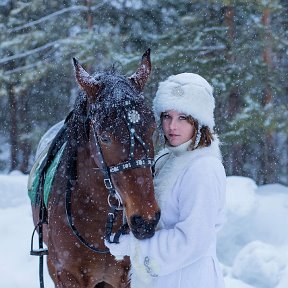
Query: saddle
x=48 y=158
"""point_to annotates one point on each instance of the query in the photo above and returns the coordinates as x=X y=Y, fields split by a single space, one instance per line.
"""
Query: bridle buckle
x=107 y=183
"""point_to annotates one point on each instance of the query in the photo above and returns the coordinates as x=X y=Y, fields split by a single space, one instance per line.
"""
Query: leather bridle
x=131 y=116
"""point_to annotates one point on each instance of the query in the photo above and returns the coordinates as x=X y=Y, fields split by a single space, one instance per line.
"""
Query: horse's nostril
x=143 y=229
x=137 y=220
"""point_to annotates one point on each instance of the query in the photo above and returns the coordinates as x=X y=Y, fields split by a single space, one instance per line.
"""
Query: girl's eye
x=166 y=116
x=182 y=117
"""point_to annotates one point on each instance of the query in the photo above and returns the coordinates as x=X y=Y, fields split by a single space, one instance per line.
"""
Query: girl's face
x=176 y=127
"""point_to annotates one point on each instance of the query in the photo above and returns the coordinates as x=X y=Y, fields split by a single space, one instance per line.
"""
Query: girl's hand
x=120 y=250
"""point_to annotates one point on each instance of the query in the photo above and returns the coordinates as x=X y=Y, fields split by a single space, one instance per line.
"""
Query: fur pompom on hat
x=187 y=93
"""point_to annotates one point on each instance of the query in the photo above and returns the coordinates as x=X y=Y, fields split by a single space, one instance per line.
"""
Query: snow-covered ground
x=252 y=246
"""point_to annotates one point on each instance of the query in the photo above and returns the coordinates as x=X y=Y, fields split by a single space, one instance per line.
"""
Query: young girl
x=190 y=187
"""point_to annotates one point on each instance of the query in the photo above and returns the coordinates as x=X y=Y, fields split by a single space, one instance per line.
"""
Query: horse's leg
x=59 y=276
x=64 y=278
x=117 y=273
x=52 y=271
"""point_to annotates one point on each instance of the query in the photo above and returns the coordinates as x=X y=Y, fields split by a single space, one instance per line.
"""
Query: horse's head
x=120 y=135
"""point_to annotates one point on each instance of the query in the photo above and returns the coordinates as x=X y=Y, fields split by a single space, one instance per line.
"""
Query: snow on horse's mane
x=115 y=90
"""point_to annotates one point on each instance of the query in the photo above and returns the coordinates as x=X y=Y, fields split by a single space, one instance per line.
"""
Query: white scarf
x=178 y=159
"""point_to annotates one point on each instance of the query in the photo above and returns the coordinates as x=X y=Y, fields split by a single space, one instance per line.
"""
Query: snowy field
x=252 y=246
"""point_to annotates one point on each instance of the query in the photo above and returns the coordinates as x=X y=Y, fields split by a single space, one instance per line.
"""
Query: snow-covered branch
x=22 y=68
x=29 y=52
x=79 y=8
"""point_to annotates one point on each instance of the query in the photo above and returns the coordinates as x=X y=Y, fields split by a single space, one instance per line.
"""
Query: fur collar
x=170 y=166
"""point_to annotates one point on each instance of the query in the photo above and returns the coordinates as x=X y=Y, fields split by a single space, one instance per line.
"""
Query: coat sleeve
x=201 y=189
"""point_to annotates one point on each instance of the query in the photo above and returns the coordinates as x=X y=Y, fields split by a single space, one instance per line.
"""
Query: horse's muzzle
x=143 y=229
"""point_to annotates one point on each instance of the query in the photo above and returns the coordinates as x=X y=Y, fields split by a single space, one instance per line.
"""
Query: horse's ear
x=85 y=81
x=139 y=78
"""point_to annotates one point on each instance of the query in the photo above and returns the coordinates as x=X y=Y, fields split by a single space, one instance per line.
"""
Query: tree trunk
x=25 y=144
x=267 y=99
x=13 y=133
x=233 y=101
x=89 y=15
x=90 y=27
x=269 y=156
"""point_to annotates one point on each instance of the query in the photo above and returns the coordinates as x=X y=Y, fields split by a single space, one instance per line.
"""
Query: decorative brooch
x=177 y=91
x=133 y=116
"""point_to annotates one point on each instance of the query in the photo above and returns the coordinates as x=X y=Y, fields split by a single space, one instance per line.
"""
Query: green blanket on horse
x=48 y=156
x=34 y=177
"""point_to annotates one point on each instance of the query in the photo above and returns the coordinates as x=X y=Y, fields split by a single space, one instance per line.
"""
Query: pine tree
x=255 y=124
x=37 y=45
x=223 y=41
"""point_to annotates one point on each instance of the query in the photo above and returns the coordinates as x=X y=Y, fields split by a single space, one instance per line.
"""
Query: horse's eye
x=105 y=138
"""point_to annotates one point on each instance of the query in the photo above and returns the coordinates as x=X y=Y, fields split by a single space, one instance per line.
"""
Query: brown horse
x=105 y=165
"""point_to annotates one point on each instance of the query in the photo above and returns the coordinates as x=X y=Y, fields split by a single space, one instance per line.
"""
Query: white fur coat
x=190 y=188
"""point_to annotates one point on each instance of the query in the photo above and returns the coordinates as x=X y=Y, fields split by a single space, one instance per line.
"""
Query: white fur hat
x=187 y=93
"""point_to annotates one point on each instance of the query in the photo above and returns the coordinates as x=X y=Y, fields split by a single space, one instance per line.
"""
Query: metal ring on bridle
x=118 y=198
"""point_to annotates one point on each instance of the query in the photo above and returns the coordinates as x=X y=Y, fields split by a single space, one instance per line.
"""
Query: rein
x=131 y=116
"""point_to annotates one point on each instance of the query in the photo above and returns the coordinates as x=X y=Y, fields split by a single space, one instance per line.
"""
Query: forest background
x=240 y=47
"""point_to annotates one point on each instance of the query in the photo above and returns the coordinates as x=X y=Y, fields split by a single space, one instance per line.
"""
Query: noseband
x=131 y=116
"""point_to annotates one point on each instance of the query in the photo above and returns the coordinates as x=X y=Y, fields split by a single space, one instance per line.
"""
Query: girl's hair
x=206 y=135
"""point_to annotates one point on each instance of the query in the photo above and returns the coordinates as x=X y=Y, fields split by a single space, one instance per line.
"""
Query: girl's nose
x=173 y=124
